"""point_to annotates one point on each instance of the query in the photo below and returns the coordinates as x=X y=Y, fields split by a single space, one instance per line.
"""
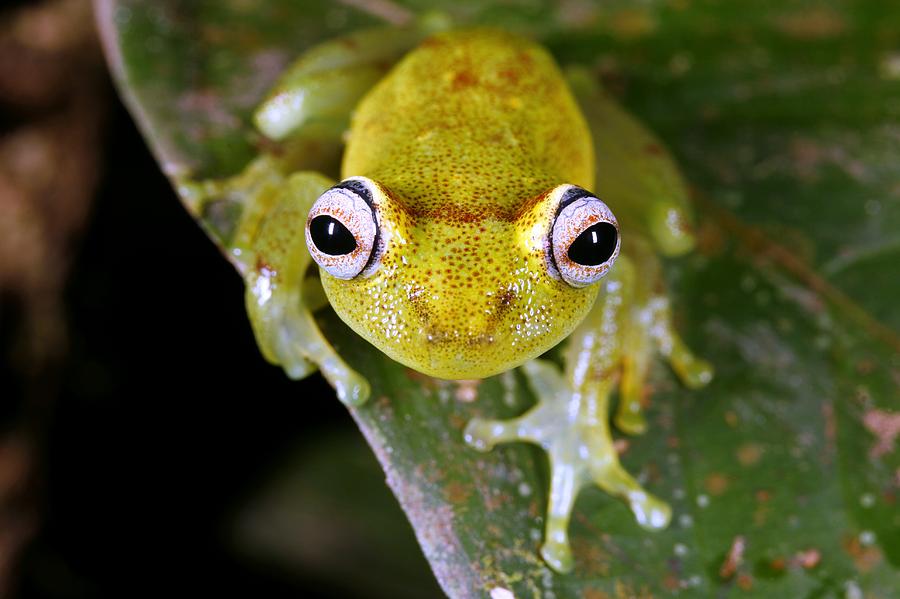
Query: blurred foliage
x=784 y=473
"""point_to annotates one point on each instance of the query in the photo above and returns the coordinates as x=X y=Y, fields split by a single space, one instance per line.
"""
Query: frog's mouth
x=453 y=354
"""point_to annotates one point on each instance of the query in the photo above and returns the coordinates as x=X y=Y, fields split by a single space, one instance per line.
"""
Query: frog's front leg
x=571 y=418
x=281 y=299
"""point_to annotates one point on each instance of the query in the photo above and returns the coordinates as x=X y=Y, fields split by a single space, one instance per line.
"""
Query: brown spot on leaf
x=749 y=454
x=808 y=559
x=865 y=557
x=716 y=483
x=734 y=558
x=631 y=23
x=812 y=23
x=671 y=582
x=886 y=427
x=731 y=418
x=456 y=492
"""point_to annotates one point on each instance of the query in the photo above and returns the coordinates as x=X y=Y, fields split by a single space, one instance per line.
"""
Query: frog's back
x=472 y=123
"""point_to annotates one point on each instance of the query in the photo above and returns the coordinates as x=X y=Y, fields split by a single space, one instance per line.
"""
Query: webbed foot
x=269 y=247
x=571 y=419
x=571 y=425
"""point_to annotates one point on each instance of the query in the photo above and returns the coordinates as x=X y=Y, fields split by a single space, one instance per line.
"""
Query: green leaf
x=784 y=119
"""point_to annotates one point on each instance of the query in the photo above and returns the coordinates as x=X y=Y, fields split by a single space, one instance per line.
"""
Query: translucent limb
x=637 y=176
x=635 y=366
x=570 y=421
x=280 y=302
x=327 y=81
x=691 y=370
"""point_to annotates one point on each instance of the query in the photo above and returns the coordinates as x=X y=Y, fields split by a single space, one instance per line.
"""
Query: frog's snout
x=459 y=337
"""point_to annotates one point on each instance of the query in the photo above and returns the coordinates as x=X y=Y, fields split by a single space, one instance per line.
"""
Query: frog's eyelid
x=358 y=187
x=570 y=195
x=362 y=187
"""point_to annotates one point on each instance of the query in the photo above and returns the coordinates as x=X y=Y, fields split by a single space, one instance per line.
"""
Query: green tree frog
x=469 y=235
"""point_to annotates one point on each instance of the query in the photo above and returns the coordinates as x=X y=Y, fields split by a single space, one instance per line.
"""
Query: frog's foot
x=650 y=330
x=572 y=427
x=288 y=335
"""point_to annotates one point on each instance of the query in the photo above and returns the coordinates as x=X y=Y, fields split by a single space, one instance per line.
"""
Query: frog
x=491 y=208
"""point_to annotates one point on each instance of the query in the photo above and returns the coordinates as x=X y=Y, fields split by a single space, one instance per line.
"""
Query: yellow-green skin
x=467 y=135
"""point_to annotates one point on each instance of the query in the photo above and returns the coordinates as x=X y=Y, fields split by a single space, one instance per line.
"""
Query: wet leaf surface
x=784 y=473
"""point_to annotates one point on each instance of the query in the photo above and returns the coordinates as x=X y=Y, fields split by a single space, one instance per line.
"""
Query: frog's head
x=461 y=295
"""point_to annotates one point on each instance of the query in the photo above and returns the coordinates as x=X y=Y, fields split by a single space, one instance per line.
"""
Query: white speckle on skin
x=702 y=500
x=867 y=538
x=524 y=489
x=867 y=500
x=680 y=549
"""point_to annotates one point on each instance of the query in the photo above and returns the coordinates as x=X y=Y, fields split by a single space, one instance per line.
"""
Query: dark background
x=167 y=416
x=136 y=412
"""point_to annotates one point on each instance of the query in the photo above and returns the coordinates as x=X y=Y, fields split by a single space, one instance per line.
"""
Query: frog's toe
x=629 y=422
x=694 y=372
x=558 y=555
x=298 y=367
x=351 y=388
x=629 y=416
x=483 y=434
x=649 y=511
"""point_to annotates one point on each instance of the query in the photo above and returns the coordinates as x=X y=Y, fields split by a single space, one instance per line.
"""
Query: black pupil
x=330 y=236
x=595 y=245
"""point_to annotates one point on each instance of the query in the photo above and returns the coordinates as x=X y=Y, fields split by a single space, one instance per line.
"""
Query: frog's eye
x=584 y=240
x=342 y=228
